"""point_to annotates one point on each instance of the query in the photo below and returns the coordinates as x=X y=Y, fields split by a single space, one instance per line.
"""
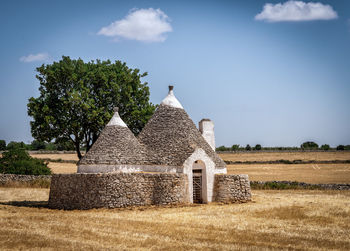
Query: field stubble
x=274 y=220
x=310 y=173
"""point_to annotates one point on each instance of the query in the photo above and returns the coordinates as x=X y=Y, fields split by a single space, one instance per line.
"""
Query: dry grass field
x=271 y=156
x=63 y=156
x=58 y=167
x=299 y=220
x=309 y=173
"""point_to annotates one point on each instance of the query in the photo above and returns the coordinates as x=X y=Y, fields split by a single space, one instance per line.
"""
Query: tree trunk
x=77 y=148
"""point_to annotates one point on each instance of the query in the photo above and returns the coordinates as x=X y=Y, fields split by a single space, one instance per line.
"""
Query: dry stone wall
x=232 y=188
x=113 y=190
x=9 y=178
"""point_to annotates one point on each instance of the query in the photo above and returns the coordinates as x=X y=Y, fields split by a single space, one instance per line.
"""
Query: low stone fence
x=6 y=179
x=280 y=185
x=231 y=188
x=113 y=190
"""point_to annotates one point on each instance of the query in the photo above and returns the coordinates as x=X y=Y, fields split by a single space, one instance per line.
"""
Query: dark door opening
x=197 y=186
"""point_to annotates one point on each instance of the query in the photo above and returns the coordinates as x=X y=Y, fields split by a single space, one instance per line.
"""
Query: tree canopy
x=77 y=99
x=309 y=145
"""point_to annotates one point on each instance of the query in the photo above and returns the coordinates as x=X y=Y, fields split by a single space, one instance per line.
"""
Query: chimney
x=206 y=128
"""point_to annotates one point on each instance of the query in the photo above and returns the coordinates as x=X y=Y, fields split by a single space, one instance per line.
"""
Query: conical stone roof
x=116 y=145
x=171 y=136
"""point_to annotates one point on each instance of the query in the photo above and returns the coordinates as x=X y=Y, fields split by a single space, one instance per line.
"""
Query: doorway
x=197 y=186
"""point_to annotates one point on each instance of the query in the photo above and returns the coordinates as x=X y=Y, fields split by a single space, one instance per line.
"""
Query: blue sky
x=277 y=74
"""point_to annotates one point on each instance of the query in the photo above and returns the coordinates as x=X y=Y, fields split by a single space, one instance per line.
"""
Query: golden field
x=272 y=156
x=309 y=173
x=55 y=156
x=289 y=219
x=58 y=167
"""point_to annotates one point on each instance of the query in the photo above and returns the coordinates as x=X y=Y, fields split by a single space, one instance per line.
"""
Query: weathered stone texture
x=7 y=178
x=171 y=137
x=113 y=190
x=116 y=145
x=232 y=188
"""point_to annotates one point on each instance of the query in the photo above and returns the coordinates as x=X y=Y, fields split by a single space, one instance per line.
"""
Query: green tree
x=2 y=145
x=77 y=99
x=16 y=145
x=234 y=147
x=248 y=148
x=257 y=147
x=222 y=148
x=309 y=145
x=325 y=147
x=37 y=145
x=340 y=148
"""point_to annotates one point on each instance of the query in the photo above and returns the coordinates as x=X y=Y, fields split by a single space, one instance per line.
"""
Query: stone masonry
x=232 y=188
x=8 y=178
x=115 y=190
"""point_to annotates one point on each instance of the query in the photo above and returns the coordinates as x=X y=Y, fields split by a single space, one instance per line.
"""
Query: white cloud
x=147 y=25
x=34 y=57
x=295 y=11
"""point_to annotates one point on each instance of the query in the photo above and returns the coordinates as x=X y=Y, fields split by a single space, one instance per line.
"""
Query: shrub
x=325 y=147
x=222 y=148
x=37 y=145
x=309 y=145
x=15 y=145
x=248 y=148
x=18 y=161
x=347 y=147
x=51 y=147
x=340 y=148
x=234 y=147
x=2 y=145
x=257 y=147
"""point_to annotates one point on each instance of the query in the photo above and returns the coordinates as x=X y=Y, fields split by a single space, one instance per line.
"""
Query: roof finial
x=170 y=100
x=116 y=120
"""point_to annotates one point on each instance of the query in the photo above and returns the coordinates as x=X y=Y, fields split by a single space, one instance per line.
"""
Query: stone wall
x=10 y=178
x=279 y=185
x=231 y=188
x=112 y=190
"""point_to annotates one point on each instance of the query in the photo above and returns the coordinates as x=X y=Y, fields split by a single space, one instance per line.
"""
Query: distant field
x=309 y=173
x=63 y=156
x=313 y=220
x=272 y=156
x=58 y=167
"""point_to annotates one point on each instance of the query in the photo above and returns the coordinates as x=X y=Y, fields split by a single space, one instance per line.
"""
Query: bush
x=325 y=147
x=234 y=147
x=51 y=147
x=2 y=145
x=16 y=145
x=248 y=148
x=37 y=145
x=340 y=148
x=18 y=161
x=347 y=147
x=257 y=147
x=309 y=145
x=222 y=148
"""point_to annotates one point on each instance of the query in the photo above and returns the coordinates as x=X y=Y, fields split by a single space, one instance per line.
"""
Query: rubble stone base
x=232 y=188
x=113 y=190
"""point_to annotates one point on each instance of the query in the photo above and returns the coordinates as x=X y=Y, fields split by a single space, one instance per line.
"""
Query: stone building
x=170 y=142
x=169 y=156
